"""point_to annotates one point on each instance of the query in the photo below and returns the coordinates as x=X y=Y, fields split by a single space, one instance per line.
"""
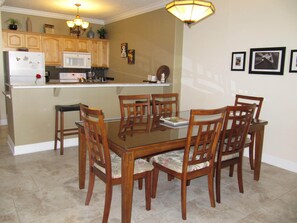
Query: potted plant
x=13 y=23
x=102 y=32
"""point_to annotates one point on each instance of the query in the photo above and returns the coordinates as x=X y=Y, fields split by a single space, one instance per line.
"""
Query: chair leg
x=184 y=199
x=218 y=184
x=140 y=184
x=91 y=186
x=155 y=181
x=107 y=204
x=239 y=176
x=56 y=129
x=148 y=185
x=231 y=170
x=211 y=189
x=251 y=152
x=62 y=133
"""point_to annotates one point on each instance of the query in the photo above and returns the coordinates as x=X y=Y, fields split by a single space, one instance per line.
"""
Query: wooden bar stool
x=64 y=132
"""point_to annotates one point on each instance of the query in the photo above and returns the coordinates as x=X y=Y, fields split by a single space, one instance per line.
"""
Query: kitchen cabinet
x=100 y=53
x=76 y=45
x=54 y=45
x=51 y=46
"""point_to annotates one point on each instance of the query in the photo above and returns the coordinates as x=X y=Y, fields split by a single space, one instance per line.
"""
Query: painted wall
x=153 y=36
x=208 y=82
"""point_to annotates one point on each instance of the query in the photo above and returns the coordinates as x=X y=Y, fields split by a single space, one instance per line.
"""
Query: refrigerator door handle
x=6 y=94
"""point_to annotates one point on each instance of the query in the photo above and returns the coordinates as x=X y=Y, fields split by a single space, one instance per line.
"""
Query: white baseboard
x=3 y=121
x=38 y=147
x=278 y=162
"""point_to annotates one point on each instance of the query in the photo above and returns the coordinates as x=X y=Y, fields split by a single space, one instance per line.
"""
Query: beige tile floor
x=43 y=188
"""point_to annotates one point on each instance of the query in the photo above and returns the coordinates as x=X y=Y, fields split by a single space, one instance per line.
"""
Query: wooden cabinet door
x=51 y=48
x=100 y=53
x=33 y=42
x=15 y=40
x=83 y=45
x=69 y=45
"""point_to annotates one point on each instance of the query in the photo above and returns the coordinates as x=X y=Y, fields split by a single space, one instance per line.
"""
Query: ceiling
x=94 y=11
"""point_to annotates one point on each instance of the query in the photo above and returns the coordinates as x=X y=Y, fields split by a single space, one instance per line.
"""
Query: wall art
x=267 y=60
x=131 y=56
x=124 y=48
x=238 y=61
x=293 y=61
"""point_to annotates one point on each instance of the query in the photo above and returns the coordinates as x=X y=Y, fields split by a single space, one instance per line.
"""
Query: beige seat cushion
x=140 y=166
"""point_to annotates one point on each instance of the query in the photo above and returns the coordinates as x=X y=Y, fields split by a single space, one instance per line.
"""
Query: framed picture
x=293 y=61
x=267 y=60
x=124 y=48
x=238 y=61
x=131 y=56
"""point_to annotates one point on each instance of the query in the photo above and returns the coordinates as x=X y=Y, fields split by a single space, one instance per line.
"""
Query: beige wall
x=239 y=26
x=153 y=36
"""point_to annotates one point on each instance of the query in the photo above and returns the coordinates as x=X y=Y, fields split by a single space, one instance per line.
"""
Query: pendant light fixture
x=77 y=26
x=190 y=11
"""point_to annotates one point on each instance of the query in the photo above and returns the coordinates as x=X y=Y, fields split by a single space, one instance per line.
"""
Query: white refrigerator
x=24 y=68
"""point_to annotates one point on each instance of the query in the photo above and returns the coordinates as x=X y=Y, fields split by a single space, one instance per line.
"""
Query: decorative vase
x=13 y=27
x=90 y=33
x=29 y=25
x=101 y=36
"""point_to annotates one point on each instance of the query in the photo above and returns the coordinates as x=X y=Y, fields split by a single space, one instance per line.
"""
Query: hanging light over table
x=190 y=11
x=77 y=26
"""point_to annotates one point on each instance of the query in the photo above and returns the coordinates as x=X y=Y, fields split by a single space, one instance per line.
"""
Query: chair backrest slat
x=247 y=100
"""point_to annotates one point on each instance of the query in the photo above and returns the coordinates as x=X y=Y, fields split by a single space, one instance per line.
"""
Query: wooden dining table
x=148 y=142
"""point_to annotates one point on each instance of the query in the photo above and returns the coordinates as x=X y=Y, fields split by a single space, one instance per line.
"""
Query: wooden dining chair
x=246 y=100
x=105 y=164
x=165 y=104
x=232 y=141
x=133 y=125
x=134 y=105
x=198 y=157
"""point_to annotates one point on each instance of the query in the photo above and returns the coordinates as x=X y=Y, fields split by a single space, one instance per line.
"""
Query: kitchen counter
x=56 y=84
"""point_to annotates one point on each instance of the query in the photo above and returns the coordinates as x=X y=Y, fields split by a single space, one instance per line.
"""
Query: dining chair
x=133 y=125
x=232 y=141
x=245 y=100
x=165 y=104
x=105 y=164
x=134 y=105
x=198 y=157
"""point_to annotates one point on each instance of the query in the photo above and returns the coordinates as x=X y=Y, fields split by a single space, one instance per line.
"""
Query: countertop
x=90 y=85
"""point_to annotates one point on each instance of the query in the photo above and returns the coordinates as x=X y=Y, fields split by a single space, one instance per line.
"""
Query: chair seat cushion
x=174 y=161
x=140 y=166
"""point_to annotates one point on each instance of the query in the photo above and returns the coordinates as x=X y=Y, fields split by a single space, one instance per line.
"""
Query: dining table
x=149 y=137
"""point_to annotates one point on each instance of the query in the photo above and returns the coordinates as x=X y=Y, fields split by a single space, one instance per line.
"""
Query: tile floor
x=43 y=188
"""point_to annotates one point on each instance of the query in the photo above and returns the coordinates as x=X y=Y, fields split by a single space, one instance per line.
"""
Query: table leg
x=258 y=152
x=127 y=186
x=81 y=159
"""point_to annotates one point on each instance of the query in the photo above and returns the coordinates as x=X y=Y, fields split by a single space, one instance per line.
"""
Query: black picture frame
x=131 y=56
x=293 y=62
x=267 y=60
x=238 y=61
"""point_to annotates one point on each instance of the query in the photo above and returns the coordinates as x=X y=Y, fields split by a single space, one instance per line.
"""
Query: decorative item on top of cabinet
x=13 y=23
x=29 y=25
x=102 y=32
x=90 y=33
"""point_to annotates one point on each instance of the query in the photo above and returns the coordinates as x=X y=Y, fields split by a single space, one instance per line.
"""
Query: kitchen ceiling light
x=77 y=26
x=190 y=11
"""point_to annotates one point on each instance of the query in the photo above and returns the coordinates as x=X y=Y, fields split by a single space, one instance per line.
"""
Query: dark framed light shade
x=190 y=11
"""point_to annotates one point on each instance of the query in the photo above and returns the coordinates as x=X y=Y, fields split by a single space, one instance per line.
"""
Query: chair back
x=235 y=129
x=202 y=137
x=96 y=139
x=165 y=104
x=133 y=125
x=247 y=100
x=134 y=105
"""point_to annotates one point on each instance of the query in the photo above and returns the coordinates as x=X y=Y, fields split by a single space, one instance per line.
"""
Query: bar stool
x=63 y=132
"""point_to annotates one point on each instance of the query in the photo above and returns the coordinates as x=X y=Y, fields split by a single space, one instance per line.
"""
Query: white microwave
x=76 y=60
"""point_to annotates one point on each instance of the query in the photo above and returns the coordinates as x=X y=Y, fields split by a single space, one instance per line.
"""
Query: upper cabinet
x=54 y=45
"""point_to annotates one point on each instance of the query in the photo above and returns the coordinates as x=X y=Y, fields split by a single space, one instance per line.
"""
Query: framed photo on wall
x=238 y=61
x=293 y=61
x=131 y=56
x=124 y=48
x=267 y=60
